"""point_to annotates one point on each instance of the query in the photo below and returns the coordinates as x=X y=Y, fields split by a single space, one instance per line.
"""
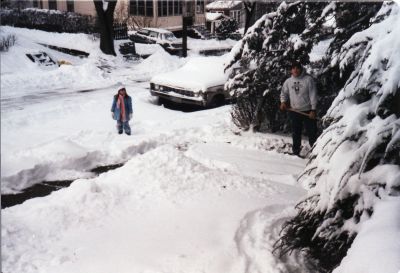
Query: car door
x=153 y=37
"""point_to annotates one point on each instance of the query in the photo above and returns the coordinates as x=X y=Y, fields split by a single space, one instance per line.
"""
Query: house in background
x=165 y=14
x=213 y=19
x=81 y=7
x=232 y=9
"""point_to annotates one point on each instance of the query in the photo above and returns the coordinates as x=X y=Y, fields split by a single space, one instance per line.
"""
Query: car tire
x=217 y=101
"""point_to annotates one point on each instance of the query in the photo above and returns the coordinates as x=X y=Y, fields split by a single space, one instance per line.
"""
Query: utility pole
x=187 y=20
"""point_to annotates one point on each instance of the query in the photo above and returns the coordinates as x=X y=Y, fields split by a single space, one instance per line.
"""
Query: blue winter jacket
x=117 y=111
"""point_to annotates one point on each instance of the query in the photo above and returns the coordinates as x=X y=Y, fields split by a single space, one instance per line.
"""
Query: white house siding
x=86 y=7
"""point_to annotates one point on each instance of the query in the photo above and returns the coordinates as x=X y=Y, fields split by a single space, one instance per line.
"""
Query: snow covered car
x=199 y=82
x=159 y=36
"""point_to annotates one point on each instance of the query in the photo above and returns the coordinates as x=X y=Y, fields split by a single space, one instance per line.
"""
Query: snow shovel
x=301 y=113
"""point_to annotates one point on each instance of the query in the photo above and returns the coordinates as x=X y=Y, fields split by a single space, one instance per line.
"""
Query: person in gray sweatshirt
x=299 y=97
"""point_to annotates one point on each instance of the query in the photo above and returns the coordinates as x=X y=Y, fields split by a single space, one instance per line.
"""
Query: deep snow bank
x=145 y=217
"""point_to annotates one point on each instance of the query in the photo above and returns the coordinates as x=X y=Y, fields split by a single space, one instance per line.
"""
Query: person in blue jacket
x=121 y=110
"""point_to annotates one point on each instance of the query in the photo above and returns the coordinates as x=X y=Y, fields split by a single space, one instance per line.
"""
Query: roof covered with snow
x=212 y=16
x=223 y=4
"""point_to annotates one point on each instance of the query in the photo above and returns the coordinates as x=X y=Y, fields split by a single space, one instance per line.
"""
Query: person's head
x=296 y=69
x=122 y=91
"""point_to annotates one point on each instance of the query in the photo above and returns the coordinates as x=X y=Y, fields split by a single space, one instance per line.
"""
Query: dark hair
x=296 y=64
x=126 y=93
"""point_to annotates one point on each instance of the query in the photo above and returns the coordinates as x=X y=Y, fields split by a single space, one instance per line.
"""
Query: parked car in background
x=199 y=82
x=159 y=36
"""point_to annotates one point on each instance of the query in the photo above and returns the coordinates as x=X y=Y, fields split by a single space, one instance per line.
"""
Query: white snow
x=195 y=46
x=196 y=75
x=376 y=247
x=212 y=16
x=216 y=5
x=319 y=50
x=192 y=196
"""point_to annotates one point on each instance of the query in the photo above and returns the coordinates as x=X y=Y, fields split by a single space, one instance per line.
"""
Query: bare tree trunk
x=106 y=20
x=249 y=8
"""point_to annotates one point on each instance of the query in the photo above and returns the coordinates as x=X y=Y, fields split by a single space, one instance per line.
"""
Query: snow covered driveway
x=192 y=196
x=161 y=212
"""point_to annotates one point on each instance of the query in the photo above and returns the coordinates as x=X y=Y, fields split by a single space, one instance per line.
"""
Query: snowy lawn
x=192 y=196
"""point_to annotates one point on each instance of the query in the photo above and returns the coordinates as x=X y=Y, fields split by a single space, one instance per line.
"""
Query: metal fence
x=120 y=31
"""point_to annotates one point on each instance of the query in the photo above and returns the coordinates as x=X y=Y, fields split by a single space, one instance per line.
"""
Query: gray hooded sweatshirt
x=301 y=92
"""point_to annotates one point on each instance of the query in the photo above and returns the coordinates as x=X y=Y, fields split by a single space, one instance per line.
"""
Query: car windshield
x=169 y=36
x=143 y=31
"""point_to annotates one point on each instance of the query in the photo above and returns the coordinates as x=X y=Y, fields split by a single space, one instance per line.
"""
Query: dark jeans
x=123 y=125
x=297 y=127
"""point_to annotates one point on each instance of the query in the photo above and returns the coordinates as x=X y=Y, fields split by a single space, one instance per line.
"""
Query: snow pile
x=23 y=76
x=147 y=49
x=77 y=41
x=158 y=62
x=376 y=247
x=159 y=221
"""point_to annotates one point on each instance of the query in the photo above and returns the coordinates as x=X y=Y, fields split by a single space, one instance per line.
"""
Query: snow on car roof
x=159 y=30
x=196 y=75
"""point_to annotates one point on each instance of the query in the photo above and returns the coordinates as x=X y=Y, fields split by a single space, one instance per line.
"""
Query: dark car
x=159 y=36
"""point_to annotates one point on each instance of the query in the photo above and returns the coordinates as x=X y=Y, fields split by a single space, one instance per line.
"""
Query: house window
x=165 y=8
x=141 y=8
x=170 y=7
x=149 y=8
x=70 y=6
x=200 y=6
x=133 y=7
x=177 y=7
x=235 y=14
x=52 y=4
x=162 y=8
x=159 y=8
x=35 y=4
x=180 y=6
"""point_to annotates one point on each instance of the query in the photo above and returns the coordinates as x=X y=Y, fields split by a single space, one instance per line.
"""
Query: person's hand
x=283 y=106
x=112 y=115
x=312 y=115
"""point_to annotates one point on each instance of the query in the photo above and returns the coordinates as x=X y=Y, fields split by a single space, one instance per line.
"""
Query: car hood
x=196 y=75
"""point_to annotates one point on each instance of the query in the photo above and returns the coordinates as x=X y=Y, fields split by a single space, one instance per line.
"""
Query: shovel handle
x=301 y=113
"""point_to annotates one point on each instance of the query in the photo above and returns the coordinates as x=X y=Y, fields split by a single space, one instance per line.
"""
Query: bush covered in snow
x=7 y=41
x=226 y=28
x=355 y=162
x=260 y=62
x=48 y=20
